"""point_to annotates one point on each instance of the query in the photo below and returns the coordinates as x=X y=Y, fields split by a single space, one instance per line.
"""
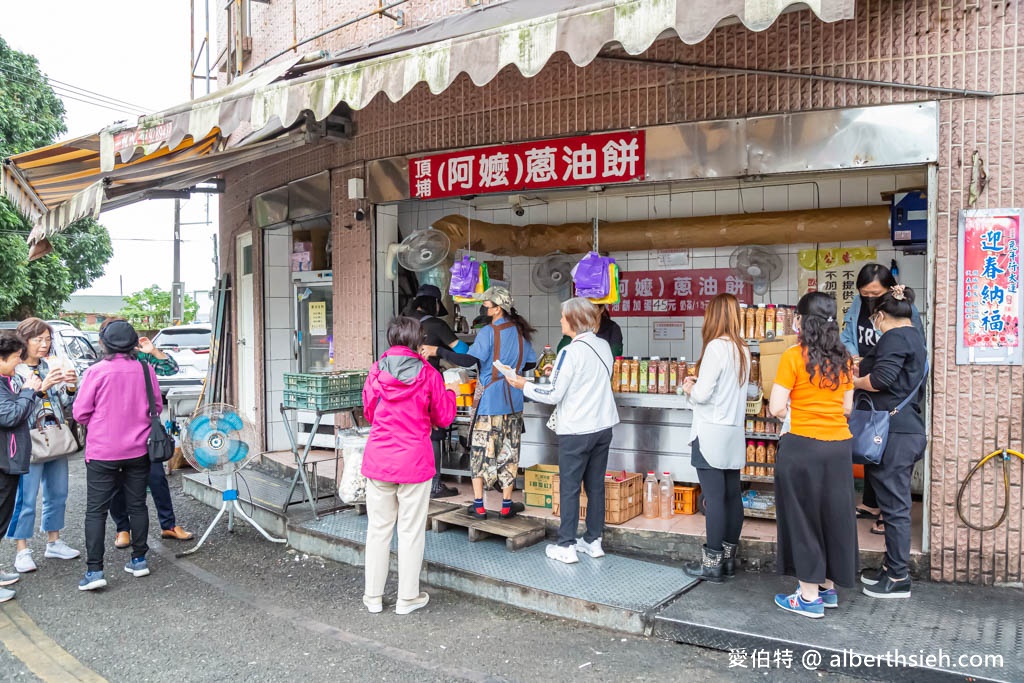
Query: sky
x=136 y=51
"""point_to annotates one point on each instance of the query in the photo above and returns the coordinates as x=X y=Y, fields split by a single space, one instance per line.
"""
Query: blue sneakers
x=814 y=609
x=829 y=597
x=91 y=581
x=137 y=567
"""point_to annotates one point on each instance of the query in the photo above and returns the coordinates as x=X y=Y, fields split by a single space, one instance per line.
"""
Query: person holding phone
x=17 y=401
x=52 y=406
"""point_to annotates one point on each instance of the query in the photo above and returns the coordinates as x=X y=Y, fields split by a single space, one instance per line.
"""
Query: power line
x=65 y=84
x=77 y=94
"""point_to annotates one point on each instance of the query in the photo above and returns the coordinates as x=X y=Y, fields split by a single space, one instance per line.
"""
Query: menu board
x=989 y=304
x=834 y=272
x=675 y=293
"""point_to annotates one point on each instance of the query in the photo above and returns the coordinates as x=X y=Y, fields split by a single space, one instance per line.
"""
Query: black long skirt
x=817 y=525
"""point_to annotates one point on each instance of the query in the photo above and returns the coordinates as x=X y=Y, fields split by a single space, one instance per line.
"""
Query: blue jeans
x=54 y=478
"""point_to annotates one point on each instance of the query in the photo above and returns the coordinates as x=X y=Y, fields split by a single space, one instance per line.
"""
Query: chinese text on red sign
x=991 y=272
x=584 y=160
x=673 y=293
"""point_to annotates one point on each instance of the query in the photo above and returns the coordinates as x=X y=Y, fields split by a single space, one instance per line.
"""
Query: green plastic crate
x=319 y=401
x=325 y=383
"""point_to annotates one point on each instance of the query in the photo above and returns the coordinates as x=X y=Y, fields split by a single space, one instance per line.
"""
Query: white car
x=189 y=346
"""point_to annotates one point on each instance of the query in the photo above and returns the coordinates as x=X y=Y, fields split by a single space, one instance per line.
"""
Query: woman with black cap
x=428 y=308
x=113 y=402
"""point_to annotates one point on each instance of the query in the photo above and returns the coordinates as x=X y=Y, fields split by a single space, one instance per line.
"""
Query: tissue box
x=302 y=261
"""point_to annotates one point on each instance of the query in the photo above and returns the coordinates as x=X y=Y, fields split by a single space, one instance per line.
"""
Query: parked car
x=189 y=345
x=93 y=337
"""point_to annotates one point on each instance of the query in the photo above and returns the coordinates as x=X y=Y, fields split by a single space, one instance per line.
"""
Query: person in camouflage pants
x=494 y=455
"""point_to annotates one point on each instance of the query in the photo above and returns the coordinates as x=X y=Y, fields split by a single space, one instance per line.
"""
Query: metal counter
x=651 y=435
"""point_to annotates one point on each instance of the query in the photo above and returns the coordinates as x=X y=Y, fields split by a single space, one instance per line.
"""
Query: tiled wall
x=277 y=328
x=542 y=310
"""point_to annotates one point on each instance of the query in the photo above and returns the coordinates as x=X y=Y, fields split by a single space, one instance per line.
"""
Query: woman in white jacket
x=581 y=390
x=719 y=396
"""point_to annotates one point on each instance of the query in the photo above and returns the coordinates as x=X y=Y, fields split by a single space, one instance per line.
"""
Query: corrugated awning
x=525 y=33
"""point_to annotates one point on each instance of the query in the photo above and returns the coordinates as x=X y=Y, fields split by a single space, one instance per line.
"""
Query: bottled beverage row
x=766 y=321
x=654 y=375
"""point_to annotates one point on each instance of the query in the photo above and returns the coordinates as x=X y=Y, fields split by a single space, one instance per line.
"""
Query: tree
x=31 y=116
x=151 y=308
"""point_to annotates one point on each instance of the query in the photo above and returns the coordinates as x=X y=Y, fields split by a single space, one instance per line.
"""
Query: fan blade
x=200 y=428
x=206 y=458
x=236 y=451
x=230 y=422
x=760 y=285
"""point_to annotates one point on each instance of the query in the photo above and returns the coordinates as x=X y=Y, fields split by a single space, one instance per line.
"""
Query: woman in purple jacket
x=114 y=404
x=403 y=399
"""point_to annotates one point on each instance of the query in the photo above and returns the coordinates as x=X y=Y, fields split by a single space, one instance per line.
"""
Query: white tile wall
x=277 y=322
x=542 y=310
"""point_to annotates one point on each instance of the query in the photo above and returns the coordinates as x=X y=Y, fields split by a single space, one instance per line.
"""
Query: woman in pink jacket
x=404 y=397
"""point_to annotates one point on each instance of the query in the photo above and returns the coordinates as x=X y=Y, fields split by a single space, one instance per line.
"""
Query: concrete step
x=939 y=620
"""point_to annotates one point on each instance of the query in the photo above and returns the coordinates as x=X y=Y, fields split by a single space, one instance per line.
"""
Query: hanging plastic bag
x=465 y=276
x=352 y=488
x=591 y=276
x=613 y=293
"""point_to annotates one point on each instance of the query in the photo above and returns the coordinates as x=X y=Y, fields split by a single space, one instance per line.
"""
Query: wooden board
x=518 y=532
x=436 y=507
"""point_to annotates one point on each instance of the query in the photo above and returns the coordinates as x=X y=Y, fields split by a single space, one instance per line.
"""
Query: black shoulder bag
x=160 y=444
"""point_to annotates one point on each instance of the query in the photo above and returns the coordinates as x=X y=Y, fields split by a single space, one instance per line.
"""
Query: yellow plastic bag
x=613 y=287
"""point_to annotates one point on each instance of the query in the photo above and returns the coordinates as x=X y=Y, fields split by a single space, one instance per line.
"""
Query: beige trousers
x=385 y=504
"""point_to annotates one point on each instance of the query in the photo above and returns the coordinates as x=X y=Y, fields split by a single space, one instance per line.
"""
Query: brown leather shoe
x=178 y=534
x=123 y=540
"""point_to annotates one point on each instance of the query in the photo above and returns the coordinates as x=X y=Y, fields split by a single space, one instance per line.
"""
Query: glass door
x=315 y=329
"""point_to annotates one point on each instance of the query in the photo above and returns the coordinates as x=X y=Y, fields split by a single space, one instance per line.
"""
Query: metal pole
x=207 y=47
x=177 y=288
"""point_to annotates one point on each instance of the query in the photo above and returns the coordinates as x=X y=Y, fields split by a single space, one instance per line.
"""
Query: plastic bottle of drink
x=652 y=496
x=668 y=496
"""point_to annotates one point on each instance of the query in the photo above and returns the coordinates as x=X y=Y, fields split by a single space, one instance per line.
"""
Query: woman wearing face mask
x=859 y=337
x=890 y=373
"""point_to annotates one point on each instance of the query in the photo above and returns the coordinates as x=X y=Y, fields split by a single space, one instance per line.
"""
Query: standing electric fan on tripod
x=216 y=440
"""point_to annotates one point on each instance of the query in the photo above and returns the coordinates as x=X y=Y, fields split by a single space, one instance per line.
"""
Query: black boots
x=439 y=490
x=709 y=568
x=729 y=559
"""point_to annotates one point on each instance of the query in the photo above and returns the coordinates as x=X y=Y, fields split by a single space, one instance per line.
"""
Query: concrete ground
x=243 y=609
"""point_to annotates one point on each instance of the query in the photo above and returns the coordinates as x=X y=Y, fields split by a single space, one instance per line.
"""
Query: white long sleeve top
x=581 y=387
x=719 y=405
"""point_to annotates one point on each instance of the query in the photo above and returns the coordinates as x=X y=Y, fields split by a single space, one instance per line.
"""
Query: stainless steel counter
x=651 y=435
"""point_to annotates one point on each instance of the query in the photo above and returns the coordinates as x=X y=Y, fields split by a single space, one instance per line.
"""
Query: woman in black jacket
x=891 y=372
x=17 y=401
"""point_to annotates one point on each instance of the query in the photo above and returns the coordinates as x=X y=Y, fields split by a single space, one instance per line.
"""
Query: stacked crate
x=324 y=391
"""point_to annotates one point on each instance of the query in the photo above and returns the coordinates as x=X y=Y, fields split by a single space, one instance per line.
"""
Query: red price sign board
x=564 y=162
x=674 y=293
x=990 y=282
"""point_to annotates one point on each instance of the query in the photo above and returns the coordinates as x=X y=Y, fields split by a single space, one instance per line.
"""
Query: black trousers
x=869 y=499
x=104 y=478
x=8 y=494
x=891 y=481
x=723 y=500
x=161 y=492
x=582 y=459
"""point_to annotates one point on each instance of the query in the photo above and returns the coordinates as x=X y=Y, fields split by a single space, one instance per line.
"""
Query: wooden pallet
x=518 y=532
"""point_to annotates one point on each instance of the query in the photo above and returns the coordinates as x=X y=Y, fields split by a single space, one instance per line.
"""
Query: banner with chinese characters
x=675 y=293
x=563 y=162
x=988 y=283
x=834 y=271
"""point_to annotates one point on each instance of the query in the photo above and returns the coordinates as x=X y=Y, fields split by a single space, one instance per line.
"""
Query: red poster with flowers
x=990 y=272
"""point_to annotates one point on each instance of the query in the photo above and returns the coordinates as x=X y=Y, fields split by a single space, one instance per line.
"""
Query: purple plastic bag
x=591 y=276
x=464 y=276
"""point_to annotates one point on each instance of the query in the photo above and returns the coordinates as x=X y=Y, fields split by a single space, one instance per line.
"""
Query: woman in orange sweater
x=817 y=527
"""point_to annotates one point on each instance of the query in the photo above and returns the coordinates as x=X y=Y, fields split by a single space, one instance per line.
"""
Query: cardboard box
x=771 y=353
x=299 y=247
x=301 y=261
x=539 y=484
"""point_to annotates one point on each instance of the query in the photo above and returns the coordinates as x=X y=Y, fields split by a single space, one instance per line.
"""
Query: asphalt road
x=243 y=609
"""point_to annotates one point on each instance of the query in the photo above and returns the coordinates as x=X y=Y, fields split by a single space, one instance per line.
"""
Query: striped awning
x=83 y=172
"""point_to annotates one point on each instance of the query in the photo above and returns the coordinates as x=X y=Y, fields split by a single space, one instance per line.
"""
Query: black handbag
x=160 y=444
x=870 y=427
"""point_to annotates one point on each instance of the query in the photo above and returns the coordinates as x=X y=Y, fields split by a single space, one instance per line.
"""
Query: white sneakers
x=593 y=548
x=410 y=606
x=23 y=561
x=60 y=550
x=374 y=605
x=562 y=553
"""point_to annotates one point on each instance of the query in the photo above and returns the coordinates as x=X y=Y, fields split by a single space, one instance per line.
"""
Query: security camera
x=359 y=214
x=519 y=210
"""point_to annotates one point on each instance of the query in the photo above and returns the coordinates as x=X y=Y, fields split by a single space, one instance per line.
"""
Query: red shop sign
x=563 y=162
x=675 y=293
x=991 y=280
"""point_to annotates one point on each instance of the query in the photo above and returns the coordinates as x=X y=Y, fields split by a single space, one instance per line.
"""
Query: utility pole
x=177 y=287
